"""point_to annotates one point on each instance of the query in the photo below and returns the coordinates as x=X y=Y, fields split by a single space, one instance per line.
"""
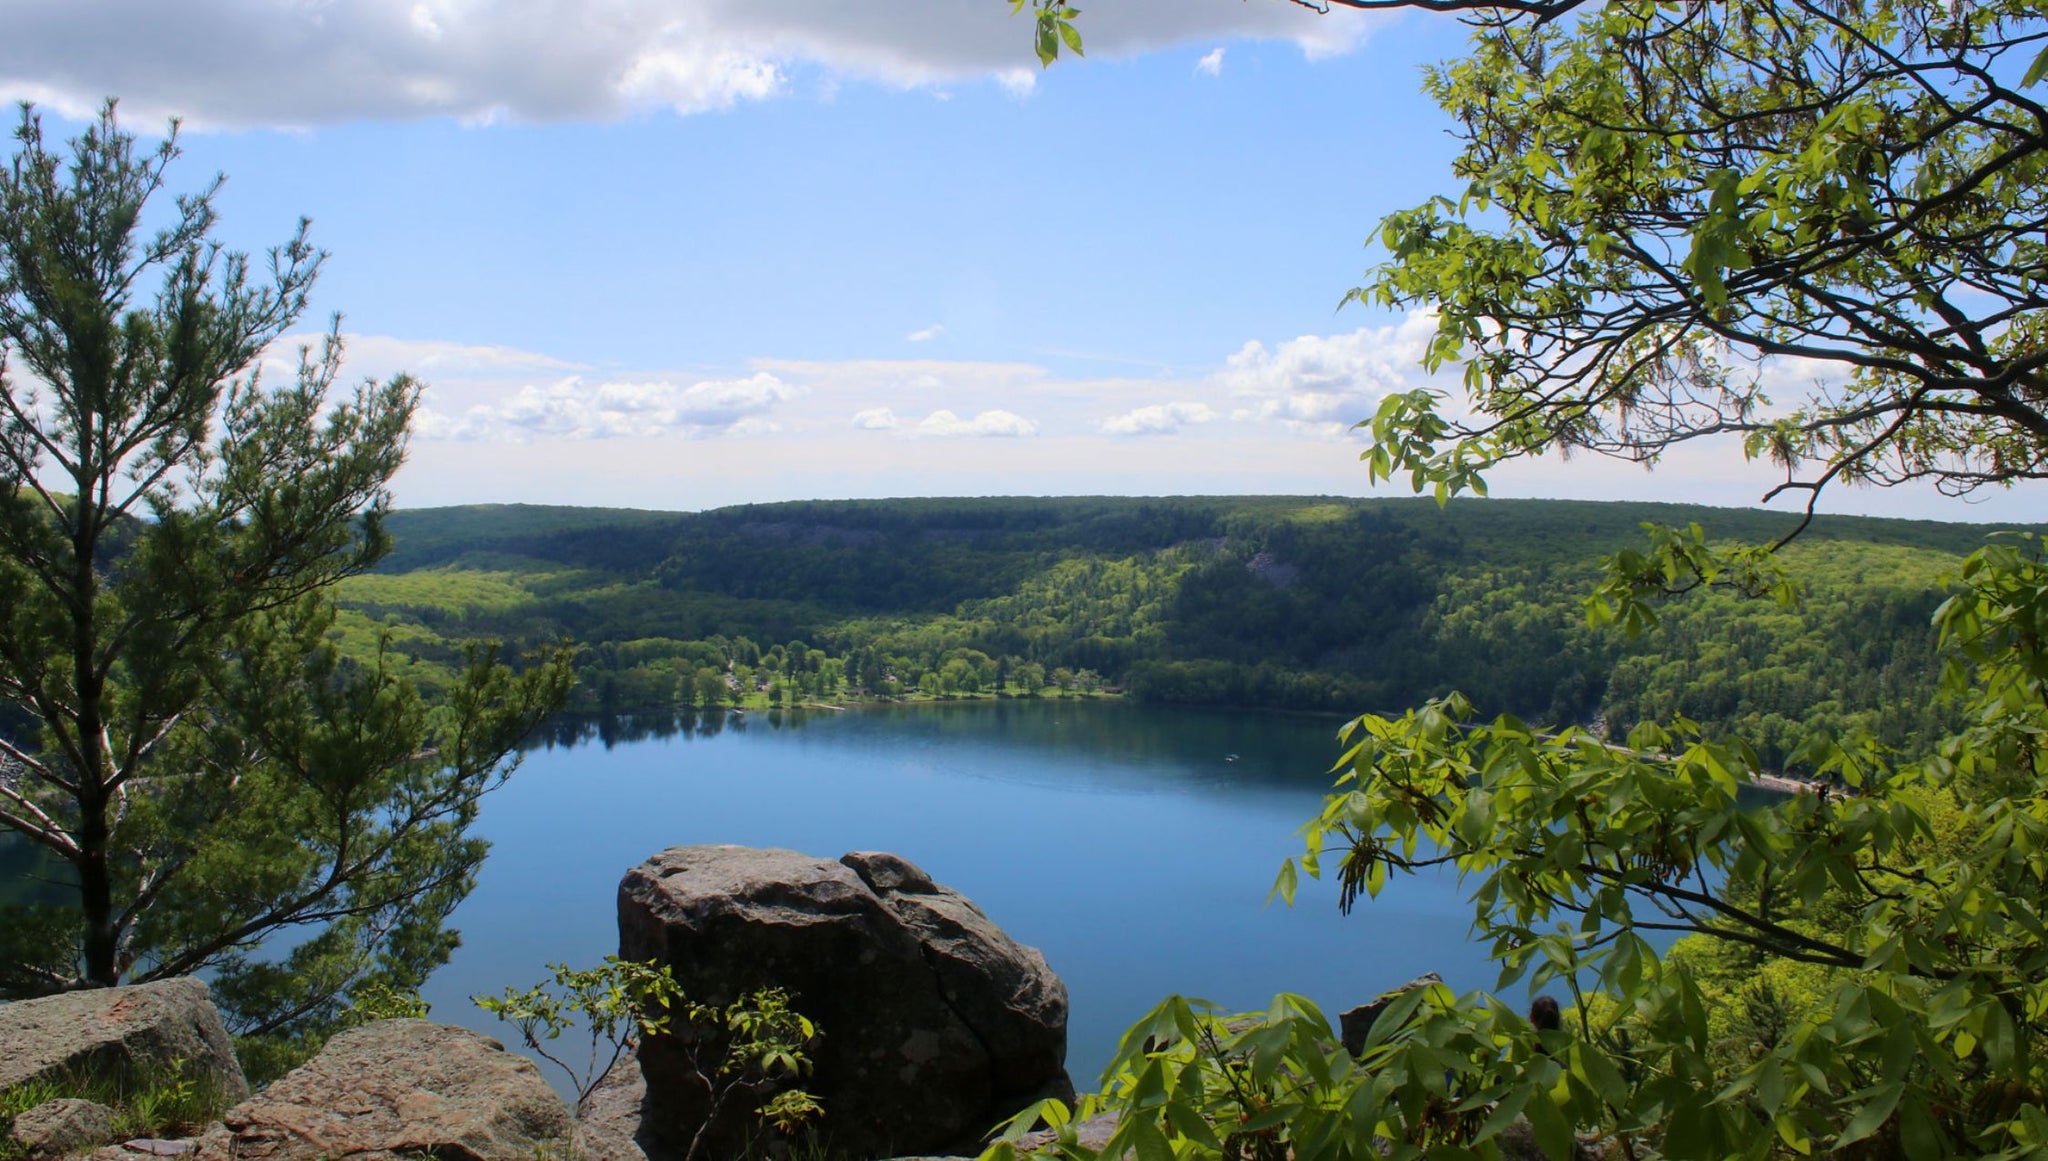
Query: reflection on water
x=1223 y=749
x=1134 y=845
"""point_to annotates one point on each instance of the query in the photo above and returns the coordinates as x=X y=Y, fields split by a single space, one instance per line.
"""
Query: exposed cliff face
x=935 y=1024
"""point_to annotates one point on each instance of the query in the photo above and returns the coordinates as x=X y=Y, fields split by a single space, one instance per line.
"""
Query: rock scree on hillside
x=145 y=1029
x=935 y=1025
x=394 y=1089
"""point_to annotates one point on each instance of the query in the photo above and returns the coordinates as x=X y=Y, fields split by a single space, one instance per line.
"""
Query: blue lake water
x=1133 y=845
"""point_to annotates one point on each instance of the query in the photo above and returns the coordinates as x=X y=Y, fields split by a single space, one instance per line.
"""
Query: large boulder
x=395 y=1089
x=148 y=1030
x=935 y=1024
x=65 y=1125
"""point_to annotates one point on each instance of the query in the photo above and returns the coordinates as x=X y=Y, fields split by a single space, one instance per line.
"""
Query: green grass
x=150 y=1102
x=455 y=589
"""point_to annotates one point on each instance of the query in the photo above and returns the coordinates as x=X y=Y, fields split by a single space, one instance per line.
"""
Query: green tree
x=1658 y=202
x=178 y=731
x=1687 y=194
x=711 y=689
x=747 y=1057
x=1031 y=678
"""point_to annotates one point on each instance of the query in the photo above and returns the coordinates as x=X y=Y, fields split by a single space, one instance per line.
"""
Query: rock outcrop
x=397 y=1089
x=1356 y=1024
x=611 y=1120
x=145 y=1029
x=935 y=1024
x=65 y=1125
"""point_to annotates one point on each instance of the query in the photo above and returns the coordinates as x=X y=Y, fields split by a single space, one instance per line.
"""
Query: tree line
x=1299 y=603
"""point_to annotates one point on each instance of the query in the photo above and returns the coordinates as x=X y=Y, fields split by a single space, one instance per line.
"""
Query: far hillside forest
x=1298 y=603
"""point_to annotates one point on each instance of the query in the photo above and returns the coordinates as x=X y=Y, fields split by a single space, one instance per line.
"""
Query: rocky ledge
x=934 y=1026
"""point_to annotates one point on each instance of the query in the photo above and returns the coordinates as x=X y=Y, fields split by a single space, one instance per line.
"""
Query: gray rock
x=405 y=1089
x=610 y=1125
x=1092 y=1133
x=212 y=1145
x=935 y=1024
x=1356 y=1023
x=146 y=1028
x=65 y=1125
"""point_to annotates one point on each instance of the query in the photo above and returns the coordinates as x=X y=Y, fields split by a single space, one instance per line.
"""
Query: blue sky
x=699 y=252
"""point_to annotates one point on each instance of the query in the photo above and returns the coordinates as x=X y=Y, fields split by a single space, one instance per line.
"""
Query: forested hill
x=1301 y=602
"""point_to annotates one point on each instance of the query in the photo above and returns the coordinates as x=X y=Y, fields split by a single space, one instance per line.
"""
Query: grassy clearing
x=453 y=590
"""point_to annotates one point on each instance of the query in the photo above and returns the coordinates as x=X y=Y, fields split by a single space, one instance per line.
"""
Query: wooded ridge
x=1298 y=602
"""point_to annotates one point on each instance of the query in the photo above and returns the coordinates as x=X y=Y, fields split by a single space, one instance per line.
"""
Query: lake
x=1134 y=845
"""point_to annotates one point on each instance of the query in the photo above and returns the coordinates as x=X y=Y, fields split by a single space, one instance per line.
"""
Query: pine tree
x=180 y=737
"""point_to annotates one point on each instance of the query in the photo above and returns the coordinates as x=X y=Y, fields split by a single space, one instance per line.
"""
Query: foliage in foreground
x=1659 y=204
x=1437 y=1072
x=1866 y=970
x=746 y=1056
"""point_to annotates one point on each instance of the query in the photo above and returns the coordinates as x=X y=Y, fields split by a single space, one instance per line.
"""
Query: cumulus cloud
x=1325 y=383
x=1158 y=419
x=944 y=424
x=925 y=334
x=1211 y=62
x=236 y=64
x=573 y=409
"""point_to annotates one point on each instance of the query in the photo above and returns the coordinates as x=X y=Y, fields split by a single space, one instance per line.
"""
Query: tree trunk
x=96 y=895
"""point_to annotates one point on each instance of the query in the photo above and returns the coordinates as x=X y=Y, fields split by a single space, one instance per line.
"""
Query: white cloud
x=1211 y=62
x=382 y=356
x=233 y=63
x=944 y=424
x=1325 y=383
x=573 y=409
x=925 y=334
x=870 y=376
x=1158 y=419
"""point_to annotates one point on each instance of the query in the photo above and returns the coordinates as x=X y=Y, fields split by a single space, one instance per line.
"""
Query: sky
x=680 y=254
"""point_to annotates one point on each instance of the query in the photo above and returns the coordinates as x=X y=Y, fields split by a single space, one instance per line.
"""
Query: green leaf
x=2036 y=71
x=1150 y=1143
x=1553 y=1131
x=1285 y=884
x=1920 y=1135
x=1192 y=1125
x=2000 y=1038
x=1871 y=1115
x=1504 y=1113
x=1795 y=1138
